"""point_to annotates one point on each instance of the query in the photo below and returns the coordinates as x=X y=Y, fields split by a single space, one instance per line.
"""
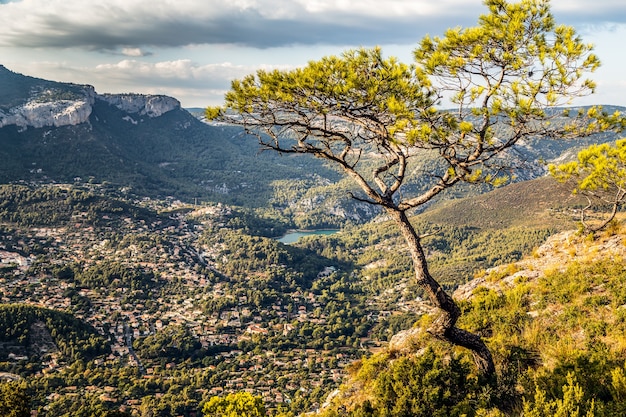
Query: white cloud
x=390 y=8
x=604 y=7
x=130 y=24
x=135 y=52
x=179 y=70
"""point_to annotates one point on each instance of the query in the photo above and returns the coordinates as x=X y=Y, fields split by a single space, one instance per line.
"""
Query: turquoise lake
x=292 y=237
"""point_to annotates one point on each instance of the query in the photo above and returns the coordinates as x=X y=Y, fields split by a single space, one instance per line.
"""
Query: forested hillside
x=261 y=296
x=46 y=334
x=211 y=304
x=176 y=155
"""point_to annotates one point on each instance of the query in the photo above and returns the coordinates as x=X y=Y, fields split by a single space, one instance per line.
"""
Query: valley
x=141 y=271
x=164 y=285
x=196 y=296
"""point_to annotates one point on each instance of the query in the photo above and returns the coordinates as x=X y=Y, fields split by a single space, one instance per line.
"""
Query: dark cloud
x=112 y=30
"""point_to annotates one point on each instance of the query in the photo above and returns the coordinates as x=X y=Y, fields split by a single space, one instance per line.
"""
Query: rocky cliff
x=31 y=102
x=145 y=105
x=51 y=107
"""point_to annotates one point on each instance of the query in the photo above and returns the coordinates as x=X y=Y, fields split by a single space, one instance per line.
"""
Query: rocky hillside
x=557 y=254
x=149 y=146
x=554 y=322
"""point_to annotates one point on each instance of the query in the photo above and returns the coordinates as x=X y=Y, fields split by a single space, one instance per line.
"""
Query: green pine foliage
x=240 y=404
x=172 y=343
x=108 y=275
x=572 y=404
x=242 y=256
x=58 y=205
x=599 y=174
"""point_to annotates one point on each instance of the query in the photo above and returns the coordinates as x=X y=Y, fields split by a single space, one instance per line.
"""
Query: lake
x=292 y=237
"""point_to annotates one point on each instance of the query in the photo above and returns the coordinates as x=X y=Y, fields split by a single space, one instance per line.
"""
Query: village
x=235 y=333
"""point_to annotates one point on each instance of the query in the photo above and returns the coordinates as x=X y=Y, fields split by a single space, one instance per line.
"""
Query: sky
x=192 y=49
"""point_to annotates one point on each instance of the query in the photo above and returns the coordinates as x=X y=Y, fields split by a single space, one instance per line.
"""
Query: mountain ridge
x=40 y=103
x=150 y=146
x=146 y=145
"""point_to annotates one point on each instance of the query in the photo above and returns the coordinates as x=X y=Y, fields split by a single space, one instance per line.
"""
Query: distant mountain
x=150 y=146
x=61 y=132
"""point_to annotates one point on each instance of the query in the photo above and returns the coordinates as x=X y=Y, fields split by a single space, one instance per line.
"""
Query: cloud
x=108 y=43
x=603 y=10
x=135 y=52
x=172 y=73
x=118 y=24
x=603 y=15
x=193 y=84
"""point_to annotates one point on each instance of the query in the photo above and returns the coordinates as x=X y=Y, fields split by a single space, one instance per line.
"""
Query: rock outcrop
x=559 y=251
x=41 y=112
x=145 y=105
x=57 y=107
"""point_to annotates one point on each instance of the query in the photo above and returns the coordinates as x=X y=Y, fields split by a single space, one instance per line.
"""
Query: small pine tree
x=239 y=404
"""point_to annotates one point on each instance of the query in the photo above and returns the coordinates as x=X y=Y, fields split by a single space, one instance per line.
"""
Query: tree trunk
x=444 y=326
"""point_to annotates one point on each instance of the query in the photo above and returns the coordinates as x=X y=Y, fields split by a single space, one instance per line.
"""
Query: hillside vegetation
x=29 y=330
x=462 y=235
x=176 y=155
x=555 y=321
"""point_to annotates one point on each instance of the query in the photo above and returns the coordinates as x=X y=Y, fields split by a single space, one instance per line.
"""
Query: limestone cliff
x=39 y=103
x=151 y=106
x=51 y=107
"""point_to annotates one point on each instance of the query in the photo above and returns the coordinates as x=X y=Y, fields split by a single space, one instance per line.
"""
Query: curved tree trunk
x=583 y=216
x=444 y=326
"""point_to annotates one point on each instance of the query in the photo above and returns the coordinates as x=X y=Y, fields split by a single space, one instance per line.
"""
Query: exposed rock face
x=406 y=340
x=38 y=112
x=152 y=106
x=52 y=107
x=357 y=212
x=559 y=251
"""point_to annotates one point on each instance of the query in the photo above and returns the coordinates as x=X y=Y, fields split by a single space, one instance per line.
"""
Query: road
x=131 y=351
